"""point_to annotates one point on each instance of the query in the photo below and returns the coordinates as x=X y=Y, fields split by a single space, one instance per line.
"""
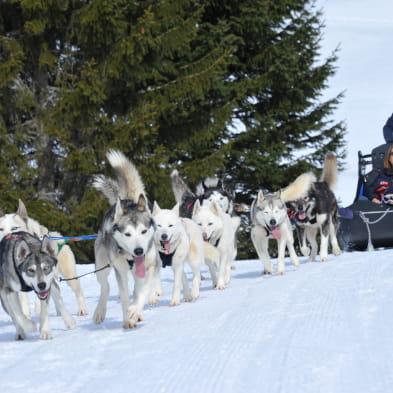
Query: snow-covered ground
x=322 y=327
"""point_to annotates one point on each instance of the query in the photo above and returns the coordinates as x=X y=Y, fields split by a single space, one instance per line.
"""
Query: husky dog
x=318 y=210
x=218 y=231
x=178 y=240
x=28 y=264
x=207 y=191
x=270 y=220
x=125 y=241
x=20 y=221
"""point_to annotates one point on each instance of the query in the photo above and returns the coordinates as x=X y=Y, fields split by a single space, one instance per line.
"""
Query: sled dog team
x=134 y=236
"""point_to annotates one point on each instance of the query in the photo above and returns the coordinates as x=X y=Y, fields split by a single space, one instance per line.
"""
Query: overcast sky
x=363 y=29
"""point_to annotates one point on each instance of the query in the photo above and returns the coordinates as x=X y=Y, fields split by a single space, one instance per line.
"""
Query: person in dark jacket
x=381 y=189
x=388 y=130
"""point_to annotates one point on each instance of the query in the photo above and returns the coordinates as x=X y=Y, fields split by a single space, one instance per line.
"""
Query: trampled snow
x=321 y=327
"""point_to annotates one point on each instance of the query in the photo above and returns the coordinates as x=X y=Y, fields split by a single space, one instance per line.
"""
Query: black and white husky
x=318 y=212
x=125 y=241
x=270 y=220
x=206 y=192
x=29 y=264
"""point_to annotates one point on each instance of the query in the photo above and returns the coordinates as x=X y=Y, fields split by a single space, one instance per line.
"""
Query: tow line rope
x=362 y=215
x=68 y=239
x=82 y=275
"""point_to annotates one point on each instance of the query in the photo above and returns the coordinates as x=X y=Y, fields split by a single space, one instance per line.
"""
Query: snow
x=321 y=327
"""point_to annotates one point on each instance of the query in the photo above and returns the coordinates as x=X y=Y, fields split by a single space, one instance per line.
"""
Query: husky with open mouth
x=270 y=221
x=179 y=240
x=318 y=211
x=125 y=241
x=29 y=264
x=21 y=221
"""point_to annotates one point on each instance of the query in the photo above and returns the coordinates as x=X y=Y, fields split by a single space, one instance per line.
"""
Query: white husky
x=20 y=221
x=270 y=220
x=219 y=232
x=179 y=240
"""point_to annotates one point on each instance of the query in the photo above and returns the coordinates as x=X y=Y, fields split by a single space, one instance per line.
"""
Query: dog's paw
x=99 y=316
x=82 y=312
x=133 y=317
x=45 y=335
x=295 y=262
x=20 y=336
x=175 y=303
x=29 y=325
x=323 y=259
x=305 y=251
x=336 y=252
x=266 y=272
x=280 y=273
x=220 y=287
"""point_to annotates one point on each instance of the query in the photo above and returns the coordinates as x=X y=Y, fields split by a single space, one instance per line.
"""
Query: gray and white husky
x=125 y=241
x=270 y=220
x=318 y=211
x=20 y=221
x=29 y=264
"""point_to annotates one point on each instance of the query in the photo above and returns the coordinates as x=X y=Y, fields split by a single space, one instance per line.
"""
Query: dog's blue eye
x=127 y=234
x=144 y=231
x=170 y=226
x=210 y=223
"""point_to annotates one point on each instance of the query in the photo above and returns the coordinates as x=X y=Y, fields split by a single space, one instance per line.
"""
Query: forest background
x=231 y=89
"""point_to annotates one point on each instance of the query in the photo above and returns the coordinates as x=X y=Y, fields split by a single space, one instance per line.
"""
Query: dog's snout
x=164 y=236
x=273 y=222
x=138 y=251
x=41 y=286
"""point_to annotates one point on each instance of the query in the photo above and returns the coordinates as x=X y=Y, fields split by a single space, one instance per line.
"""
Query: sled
x=365 y=224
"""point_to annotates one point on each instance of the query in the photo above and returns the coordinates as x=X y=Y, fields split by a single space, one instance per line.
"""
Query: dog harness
x=23 y=286
x=166 y=258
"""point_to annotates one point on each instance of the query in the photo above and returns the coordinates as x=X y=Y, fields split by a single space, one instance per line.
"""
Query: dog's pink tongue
x=302 y=215
x=276 y=233
x=167 y=247
x=140 y=269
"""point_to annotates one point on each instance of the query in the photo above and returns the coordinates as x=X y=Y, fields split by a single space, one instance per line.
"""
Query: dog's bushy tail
x=107 y=186
x=128 y=183
x=179 y=187
x=298 y=188
x=329 y=173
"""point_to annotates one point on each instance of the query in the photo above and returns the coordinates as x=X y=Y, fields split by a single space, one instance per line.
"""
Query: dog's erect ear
x=215 y=209
x=22 y=211
x=156 y=208
x=260 y=197
x=176 y=209
x=278 y=194
x=22 y=250
x=197 y=207
x=47 y=248
x=142 y=203
x=220 y=185
x=119 y=211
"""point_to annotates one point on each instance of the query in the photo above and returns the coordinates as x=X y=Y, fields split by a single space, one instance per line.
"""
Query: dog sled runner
x=364 y=224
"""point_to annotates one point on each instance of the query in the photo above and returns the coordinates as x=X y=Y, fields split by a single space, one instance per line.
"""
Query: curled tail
x=128 y=183
x=179 y=188
x=329 y=173
x=298 y=188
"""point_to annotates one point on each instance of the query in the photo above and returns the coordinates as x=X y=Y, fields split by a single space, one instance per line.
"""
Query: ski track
x=310 y=330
